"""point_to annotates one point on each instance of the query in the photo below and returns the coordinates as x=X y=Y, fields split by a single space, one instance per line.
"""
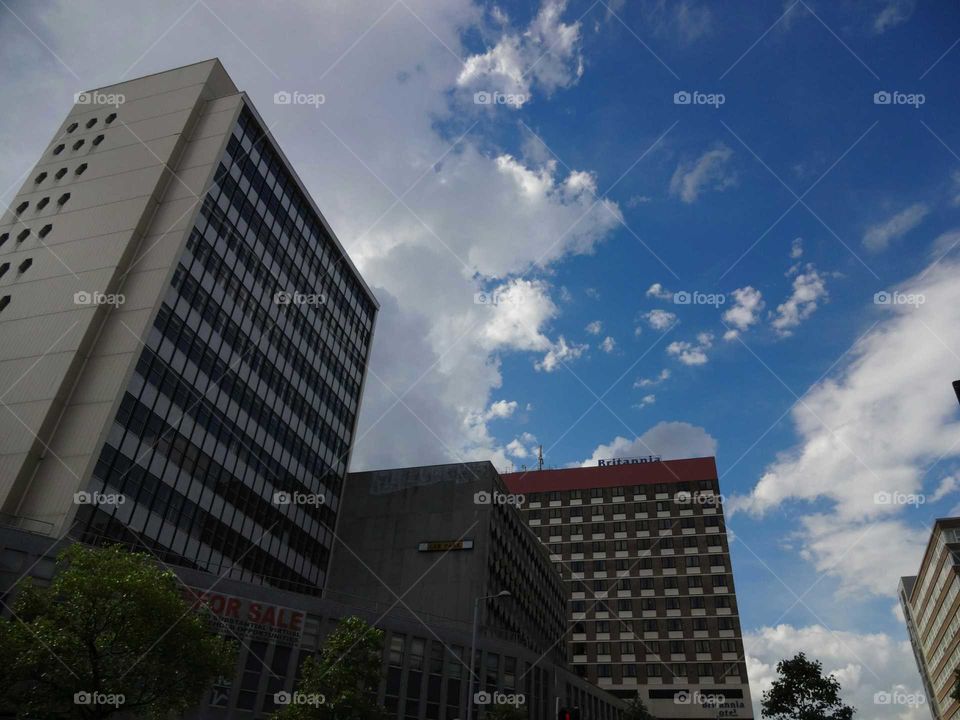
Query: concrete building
x=931 y=608
x=642 y=549
x=434 y=540
x=183 y=340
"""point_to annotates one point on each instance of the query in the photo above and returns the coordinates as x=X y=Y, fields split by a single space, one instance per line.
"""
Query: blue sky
x=583 y=206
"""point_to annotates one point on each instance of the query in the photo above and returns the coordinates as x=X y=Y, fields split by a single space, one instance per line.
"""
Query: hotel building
x=642 y=550
x=931 y=608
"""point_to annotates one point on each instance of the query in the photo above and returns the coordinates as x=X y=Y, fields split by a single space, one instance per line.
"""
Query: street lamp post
x=473 y=646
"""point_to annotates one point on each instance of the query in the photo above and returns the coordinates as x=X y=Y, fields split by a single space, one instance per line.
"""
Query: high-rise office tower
x=642 y=548
x=183 y=340
x=931 y=609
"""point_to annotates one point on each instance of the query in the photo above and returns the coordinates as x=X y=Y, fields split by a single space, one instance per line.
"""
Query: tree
x=111 y=633
x=637 y=710
x=955 y=693
x=342 y=682
x=802 y=692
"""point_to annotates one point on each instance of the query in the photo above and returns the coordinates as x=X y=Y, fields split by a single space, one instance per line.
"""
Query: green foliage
x=637 y=710
x=342 y=682
x=802 y=692
x=111 y=624
x=955 y=693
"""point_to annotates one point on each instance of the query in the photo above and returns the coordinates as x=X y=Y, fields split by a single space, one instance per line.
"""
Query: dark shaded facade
x=241 y=390
x=432 y=540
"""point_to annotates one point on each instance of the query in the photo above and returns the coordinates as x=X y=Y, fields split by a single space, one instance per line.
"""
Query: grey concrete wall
x=385 y=514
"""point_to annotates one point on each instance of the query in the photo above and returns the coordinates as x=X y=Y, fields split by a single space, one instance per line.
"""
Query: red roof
x=668 y=471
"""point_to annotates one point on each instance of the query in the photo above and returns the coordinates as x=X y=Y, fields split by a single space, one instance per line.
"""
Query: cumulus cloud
x=692 y=353
x=709 y=171
x=671 y=440
x=660 y=319
x=745 y=311
x=546 y=55
x=646 y=400
x=559 y=353
x=500 y=409
x=796 y=249
x=809 y=290
x=515 y=321
x=649 y=382
x=522 y=447
x=608 y=345
x=863 y=663
x=595 y=328
x=878 y=237
x=880 y=427
x=659 y=292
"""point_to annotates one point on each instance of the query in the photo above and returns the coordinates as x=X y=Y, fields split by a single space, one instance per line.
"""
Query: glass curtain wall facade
x=248 y=385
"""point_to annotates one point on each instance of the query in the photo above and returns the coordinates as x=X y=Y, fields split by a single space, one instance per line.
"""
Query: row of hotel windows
x=663 y=546
x=637 y=492
x=628 y=626
x=668 y=585
x=696 y=602
x=661 y=524
x=654 y=647
x=576 y=513
x=668 y=672
x=645 y=561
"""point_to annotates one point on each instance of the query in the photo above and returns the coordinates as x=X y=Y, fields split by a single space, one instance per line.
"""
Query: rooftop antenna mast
x=540 y=458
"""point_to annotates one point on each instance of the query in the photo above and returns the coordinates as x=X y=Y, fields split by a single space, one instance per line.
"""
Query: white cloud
x=659 y=292
x=595 y=328
x=608 y=345
x=878 y=237
x=546 y=55
x=521 y=447
x=863 y=663
x=660 y=319
x=875 y=425
x=947 y=486
x=649 y=382
x=671 y=440
x=500 y=409
x=809 y=289
x=646 y=400
x=745 y=311
x=709 y=171
x=515 y=322
x=692 y=353
x=560 y=352
x=945 y=243
x=796 y=248
x=592 y=293
x=893 y=13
